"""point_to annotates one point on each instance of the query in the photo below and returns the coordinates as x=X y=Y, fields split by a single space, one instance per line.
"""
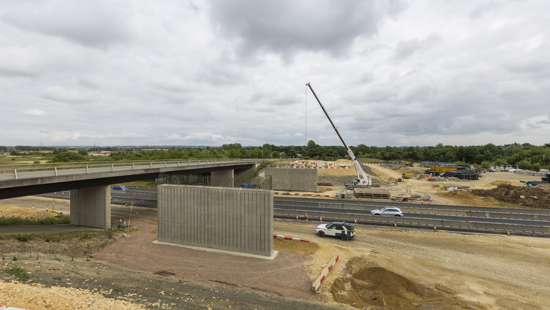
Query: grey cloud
x=406 y=48
x=288 y=27
x=87 y=23
x=484 y=8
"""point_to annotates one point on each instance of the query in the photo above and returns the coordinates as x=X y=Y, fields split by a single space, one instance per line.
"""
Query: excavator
x=362 y=179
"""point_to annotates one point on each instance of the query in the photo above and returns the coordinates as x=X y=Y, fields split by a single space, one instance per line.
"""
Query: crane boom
x=363 y=178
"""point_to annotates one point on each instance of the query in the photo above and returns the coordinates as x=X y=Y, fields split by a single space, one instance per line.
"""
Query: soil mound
x=295 y=247
x=367 y=287
x=533 y=197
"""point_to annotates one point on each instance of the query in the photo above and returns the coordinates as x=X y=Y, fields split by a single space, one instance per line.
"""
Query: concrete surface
x=223 y=178
x=91 y=206
x=302 y=180
x=227 y=219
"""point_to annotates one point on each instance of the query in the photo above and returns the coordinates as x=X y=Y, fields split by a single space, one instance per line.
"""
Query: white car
x=388 y=211
x=342 y=230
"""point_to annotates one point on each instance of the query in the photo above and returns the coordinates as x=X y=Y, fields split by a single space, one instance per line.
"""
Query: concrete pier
x=91 y=206
x=227 y=219
x=222 y=178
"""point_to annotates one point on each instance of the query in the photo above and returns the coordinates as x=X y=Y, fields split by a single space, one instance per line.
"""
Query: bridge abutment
x=91 y=206
x=222 y=178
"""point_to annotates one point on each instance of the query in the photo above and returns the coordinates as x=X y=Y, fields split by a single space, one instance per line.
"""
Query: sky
x=388 y=72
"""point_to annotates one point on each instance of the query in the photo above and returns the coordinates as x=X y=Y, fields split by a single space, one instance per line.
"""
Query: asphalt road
x=421 y=215
x=306 y=204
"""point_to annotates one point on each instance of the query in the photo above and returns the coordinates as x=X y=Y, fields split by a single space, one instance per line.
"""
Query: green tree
x=292 y=153
x=524 y=164
x=275 y=155
x=83 y=152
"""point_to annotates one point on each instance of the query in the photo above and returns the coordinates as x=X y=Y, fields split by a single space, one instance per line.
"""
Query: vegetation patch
x=18 y=272
x=58 y=219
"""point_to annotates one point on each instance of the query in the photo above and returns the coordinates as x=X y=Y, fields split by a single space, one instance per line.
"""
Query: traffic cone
x=429 y=201
x=296 y=216
x=395 y=225
x=321 y=219
x=435 y=228
x=422 y=201
x=508 y=231
x=355 y=221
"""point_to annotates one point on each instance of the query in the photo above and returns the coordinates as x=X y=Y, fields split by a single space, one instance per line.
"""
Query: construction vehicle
x=362 y=179
x=406 y=175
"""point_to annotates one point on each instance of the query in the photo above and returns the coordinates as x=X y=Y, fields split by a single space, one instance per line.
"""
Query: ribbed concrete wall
x=223 y=178
x=91 y=206
x=228 y=219
x=303 y=180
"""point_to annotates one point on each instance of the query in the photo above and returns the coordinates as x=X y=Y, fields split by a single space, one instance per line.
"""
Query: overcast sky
x=389 y=72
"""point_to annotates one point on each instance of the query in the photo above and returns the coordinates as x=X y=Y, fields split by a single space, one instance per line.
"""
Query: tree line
x=524 y=156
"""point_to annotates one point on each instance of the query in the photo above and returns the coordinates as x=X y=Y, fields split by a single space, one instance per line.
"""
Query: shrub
x=23 y=238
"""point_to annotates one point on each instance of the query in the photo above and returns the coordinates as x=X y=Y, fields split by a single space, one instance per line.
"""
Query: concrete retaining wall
x=293 y=179
x=221 y=218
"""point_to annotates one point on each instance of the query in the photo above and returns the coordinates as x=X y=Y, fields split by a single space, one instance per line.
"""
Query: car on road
x=342 y=230
x=120 y=188
x=388 y=211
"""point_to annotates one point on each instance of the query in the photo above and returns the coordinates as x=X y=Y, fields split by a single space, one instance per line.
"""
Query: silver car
x=388 y=211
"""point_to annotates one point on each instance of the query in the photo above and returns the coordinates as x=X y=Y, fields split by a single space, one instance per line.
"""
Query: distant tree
x=524 y=164
x=83 y=152
x=485 y=164
x=275 y=155
x=67 y=157
x=536 y=167
x=292 y=153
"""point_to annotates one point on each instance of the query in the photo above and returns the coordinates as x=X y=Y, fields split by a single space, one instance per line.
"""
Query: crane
x=361 y=180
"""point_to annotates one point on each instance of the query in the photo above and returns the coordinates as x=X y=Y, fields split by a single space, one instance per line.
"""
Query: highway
x=333 y=208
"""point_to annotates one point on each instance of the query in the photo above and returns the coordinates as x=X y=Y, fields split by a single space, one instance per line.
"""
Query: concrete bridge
x=90 y=182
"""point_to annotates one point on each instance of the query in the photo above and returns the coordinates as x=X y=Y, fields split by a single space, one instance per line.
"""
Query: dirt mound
x=502 y=182
x=295 y=247
x=31 y=214
x=466 y=198
x=533 y=197
x=367 y=287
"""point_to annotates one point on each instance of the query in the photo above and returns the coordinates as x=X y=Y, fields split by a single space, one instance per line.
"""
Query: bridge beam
x=222 y=178
x=91 y=207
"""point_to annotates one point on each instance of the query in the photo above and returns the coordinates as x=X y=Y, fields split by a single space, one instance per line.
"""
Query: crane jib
x=363 y=179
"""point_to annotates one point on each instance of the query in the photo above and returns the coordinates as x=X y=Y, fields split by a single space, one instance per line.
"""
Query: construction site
x=384 y=268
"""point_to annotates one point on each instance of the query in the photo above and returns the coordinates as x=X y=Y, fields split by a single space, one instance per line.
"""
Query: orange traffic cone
x=395 y=225
x=508 y=231
x=355 y=221
x=429 y=201
x=435 y=228
x=296 y=216
x=321 y=219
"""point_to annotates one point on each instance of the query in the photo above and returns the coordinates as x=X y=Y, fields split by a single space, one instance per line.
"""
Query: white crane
x=362 y=179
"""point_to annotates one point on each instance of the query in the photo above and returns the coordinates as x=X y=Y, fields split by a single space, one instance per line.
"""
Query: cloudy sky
x=389 y=72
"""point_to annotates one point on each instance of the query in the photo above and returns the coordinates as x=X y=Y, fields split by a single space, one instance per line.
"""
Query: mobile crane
x=362 y=180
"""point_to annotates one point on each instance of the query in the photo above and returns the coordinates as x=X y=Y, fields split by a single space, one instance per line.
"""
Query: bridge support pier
x=91 y=206
x=222 y=178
